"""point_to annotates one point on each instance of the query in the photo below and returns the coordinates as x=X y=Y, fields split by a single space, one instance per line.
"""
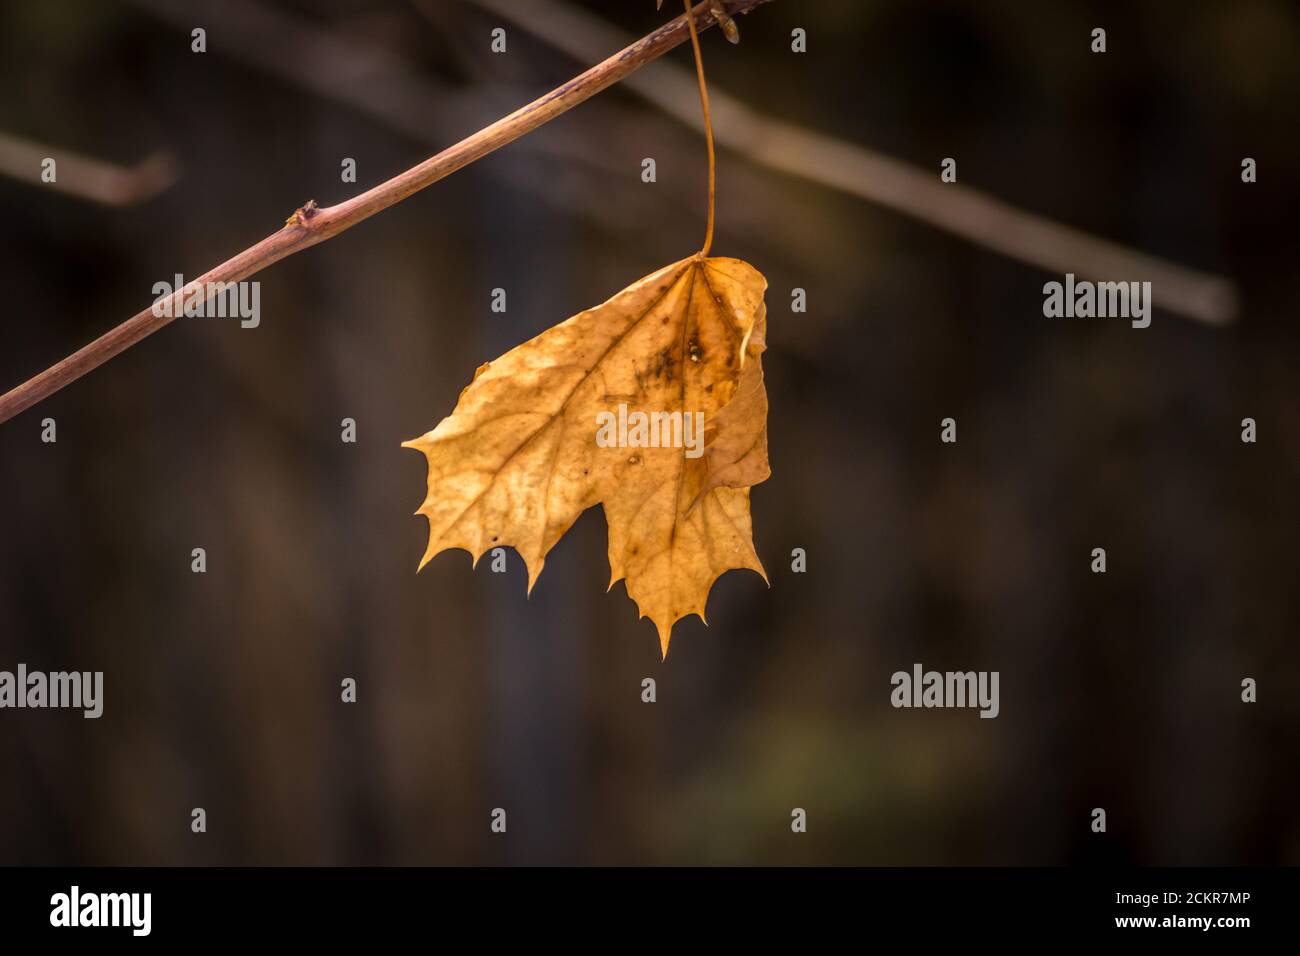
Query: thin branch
x=970 y=213
x=310 y=225
x=84 y=176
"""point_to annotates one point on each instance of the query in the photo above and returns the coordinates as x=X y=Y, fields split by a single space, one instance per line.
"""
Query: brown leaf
x=519 y=458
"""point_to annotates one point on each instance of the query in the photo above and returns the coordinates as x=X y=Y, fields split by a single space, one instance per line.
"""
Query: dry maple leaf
x=518 y=459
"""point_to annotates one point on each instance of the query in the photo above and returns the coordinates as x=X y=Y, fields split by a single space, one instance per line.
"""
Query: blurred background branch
x=84 y=176
x=867 y=174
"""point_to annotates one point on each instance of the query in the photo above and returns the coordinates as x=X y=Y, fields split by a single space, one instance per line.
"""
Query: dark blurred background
x=1119 y=690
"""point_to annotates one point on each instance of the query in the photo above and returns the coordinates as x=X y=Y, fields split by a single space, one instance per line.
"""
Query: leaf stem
x=708 y=127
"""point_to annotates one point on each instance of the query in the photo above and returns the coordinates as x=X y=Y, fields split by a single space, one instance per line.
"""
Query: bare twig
x=85 y=176
x=859 y=171
x=310 y=225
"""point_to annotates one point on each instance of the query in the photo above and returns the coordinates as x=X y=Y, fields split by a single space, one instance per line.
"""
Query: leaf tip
x=533 y=575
